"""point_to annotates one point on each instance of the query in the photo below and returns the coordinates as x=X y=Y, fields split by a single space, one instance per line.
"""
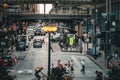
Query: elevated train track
x=53 y=16
x=47 y=1
x=48 y=16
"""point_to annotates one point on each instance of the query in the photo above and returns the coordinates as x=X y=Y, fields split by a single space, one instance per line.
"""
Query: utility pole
x=95 y=25
x=87 y=27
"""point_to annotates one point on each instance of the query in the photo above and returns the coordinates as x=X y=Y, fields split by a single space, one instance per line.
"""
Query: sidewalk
x=100 y=61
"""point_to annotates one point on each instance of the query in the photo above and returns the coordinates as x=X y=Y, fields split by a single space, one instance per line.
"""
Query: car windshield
x=21 y=43
x=37 y=42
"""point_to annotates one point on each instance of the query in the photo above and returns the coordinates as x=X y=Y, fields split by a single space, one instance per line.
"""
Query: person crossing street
x=83 y=66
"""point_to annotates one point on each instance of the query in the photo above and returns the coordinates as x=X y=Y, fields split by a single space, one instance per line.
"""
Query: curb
x=94 y=61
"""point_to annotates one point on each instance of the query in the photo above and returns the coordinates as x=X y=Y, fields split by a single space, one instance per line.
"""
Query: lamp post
x=49 y=29
x=49 y=53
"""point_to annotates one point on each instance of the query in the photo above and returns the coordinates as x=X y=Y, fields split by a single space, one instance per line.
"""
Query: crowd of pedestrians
x=62 y=71
x=99 y=75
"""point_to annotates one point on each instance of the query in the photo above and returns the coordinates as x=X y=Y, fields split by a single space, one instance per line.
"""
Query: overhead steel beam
x=47 y=1
x=53 y=16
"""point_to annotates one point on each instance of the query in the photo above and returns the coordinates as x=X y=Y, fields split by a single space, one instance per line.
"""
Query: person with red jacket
x=38 y=72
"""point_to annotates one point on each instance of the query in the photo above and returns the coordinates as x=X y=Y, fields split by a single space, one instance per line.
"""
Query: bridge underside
x=53 y=16
x=47 y=1
x=36 y=17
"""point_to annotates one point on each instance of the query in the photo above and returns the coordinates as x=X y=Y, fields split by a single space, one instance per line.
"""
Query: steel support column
x=107 y=41
x=95 y=26
x=87 y=27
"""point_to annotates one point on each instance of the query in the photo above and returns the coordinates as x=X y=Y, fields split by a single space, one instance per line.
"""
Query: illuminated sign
x=49 y=28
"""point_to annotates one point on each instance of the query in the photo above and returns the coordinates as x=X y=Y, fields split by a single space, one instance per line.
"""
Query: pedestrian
x=80 y=47
x=99 y=75
x=60 y=72
x=67 y=69
x=72 y=64
x=51 y=48
x=38 y=72
x=58 y=62
x=83 y=66
x=15 y=59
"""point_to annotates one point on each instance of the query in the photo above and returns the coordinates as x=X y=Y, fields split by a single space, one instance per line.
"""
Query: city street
x=35 y=57
x=66 y=39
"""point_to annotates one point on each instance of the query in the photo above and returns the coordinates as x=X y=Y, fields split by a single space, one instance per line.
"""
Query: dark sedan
x=37 y=44
x=38 y=33
x=21 y=46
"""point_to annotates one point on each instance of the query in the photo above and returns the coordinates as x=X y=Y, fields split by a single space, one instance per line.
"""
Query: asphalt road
x=35 y=57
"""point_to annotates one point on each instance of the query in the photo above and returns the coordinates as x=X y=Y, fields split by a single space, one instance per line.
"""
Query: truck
x=24 y=38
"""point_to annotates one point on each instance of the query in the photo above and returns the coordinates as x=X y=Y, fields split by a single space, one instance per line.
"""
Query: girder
x=47 y=1
x=53 y=16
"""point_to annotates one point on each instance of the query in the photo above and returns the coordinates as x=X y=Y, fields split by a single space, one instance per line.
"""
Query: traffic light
x=112 y=22
x=109 y=21
x=115 y=38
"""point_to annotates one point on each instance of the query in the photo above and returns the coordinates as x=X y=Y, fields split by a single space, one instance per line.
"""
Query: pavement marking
x=25 y=71
x=75 y=61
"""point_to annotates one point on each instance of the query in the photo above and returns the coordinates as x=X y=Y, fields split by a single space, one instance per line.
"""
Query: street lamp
x=49 y=29
x=49 y=54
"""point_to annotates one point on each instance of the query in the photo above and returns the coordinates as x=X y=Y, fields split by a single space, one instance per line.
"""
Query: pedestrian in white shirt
x=83 y=66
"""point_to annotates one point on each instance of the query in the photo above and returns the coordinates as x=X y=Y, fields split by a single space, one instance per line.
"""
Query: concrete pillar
x=36 y=8
x=80 y=29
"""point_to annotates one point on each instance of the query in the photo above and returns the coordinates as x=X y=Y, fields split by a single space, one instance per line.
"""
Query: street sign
x=71 y=41
x=49 y=28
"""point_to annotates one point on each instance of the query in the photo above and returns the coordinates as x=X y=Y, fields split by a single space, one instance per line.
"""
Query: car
x=24 y=38
x=21 y=46
x=57 y=39
x=37 y=44
x=42 y=33
x=92 y=52
x=39 y=32
x=8 y=60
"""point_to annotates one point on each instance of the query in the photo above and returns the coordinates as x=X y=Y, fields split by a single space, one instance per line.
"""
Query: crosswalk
x=56 y=47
